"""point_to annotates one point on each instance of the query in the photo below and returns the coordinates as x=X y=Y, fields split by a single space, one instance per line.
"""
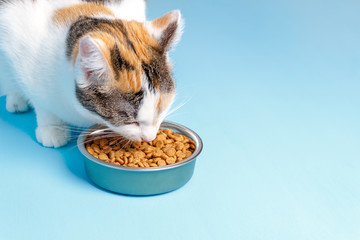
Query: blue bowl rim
x=166 y=124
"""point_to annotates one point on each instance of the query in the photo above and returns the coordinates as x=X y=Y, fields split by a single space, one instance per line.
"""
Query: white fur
x=148 y=118
x=91 y=59
x=130 y=10
x=35 y=69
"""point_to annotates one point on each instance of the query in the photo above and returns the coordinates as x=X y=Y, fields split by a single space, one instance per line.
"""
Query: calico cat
x=84 y=62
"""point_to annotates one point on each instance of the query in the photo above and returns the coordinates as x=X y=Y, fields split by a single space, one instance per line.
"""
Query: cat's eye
x=131 y=122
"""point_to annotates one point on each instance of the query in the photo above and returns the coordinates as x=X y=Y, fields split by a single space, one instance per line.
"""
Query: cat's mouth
x=135 y=132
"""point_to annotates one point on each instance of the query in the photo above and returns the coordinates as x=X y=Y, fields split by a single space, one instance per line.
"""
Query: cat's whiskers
x=93 y=135
x=171 y=111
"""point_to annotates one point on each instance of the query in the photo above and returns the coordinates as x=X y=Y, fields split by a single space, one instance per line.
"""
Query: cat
x=79 y=63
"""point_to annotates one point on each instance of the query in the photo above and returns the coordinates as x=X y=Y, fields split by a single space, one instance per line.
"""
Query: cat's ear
x=167 y=30
x=92 y=60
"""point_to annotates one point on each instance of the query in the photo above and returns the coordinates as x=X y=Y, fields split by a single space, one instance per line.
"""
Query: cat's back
x=26 y=22
x=27 y=26
x=31 y=21
x=17 y=11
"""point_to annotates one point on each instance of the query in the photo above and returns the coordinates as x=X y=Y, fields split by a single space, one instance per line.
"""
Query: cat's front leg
x=51 y=131
x=16 y=103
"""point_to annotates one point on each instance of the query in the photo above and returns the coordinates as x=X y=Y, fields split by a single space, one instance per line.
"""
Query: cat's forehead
x=131 y=54
x=130 y=38
x=129 y=48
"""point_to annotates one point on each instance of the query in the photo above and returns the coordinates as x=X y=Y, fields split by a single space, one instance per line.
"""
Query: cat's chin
x=135 y=133
x=129 y=132
x=132 y=138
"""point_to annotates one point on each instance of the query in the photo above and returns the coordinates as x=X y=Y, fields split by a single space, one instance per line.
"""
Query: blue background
x=274 y=92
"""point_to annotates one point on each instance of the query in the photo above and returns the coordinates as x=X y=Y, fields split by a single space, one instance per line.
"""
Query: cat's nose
x=147 y=138
x=148 y=135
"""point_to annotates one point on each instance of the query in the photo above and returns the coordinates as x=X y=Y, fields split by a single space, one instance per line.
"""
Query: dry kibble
x=179 y=146
x=103 y=156
x=170 y=152
x=158 y=153
x=96 y=148
x=137 y=144
x=156 y=160
x=177 y=137
x=180 y=154
x=107 y=149
x=148 y=150
x=167 y=148
x=113 y=142
x=170 y=160
x=164 y=156
x=159 y=144
x=168 y=141
x=161 y=137
x=139 y=154
x=180 y=138
x=116 y=147
x=103 y=142
x=119 y=153
x=168 y=131
x=188 y=153
x=120 y=161
x=161 y=163
x=90 y=149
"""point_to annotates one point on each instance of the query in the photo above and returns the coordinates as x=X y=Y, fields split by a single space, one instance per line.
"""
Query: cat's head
x=124 y=72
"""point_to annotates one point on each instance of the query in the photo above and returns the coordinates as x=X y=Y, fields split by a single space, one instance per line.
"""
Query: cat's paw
x=53 y=136
x=16 y=103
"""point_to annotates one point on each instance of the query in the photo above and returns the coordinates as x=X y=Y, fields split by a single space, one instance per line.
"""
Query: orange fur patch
x=106 y=38
x=67 y=15
x=130 y=80
x=159 y=104
x=135 y=48
x=139 y=38
x=164 y=101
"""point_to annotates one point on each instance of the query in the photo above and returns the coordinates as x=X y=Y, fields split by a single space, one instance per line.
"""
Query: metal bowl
x=141 y=181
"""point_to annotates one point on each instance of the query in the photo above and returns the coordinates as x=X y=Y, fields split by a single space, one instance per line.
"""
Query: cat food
x=167 y=148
